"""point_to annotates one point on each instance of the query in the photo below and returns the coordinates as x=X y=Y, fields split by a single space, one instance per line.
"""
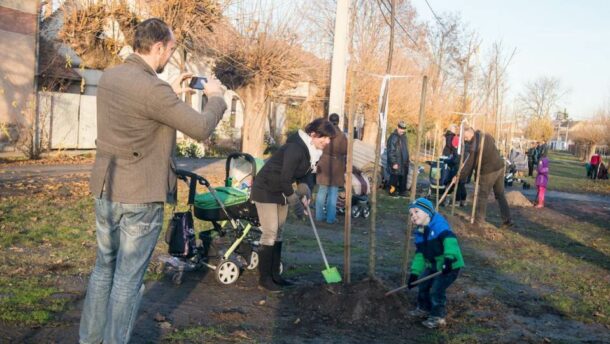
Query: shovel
x=414 y=283
x=331 y=275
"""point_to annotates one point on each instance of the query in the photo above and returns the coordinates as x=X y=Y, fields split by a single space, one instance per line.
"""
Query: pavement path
x=13 y=173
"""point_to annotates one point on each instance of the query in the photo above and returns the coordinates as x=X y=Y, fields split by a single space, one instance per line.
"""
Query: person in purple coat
x=542 y=179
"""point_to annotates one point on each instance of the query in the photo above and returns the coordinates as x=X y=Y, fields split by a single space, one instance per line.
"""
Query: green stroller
x=235 y=223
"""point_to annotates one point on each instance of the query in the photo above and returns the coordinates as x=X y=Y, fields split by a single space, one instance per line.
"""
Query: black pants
x=489 y=181
x=461 y=192
x=530 y=167
x=593 y=171
x=431 y=295
x=399 y=181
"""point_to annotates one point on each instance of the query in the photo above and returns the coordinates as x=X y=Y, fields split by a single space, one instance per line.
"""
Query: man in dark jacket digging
x=491 y=174
x=398 y=160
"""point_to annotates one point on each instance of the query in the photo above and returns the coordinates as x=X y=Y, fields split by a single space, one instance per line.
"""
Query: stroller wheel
x=356 y=211
x=366 y=212
x=253 y=261
x=227 y=272
x=177 y=277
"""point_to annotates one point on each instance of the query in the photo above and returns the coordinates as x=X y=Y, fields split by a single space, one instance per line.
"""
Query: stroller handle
x=249 y=158
x=192 y=179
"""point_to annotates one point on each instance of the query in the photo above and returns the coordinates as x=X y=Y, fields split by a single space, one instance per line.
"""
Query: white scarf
x=314 y=153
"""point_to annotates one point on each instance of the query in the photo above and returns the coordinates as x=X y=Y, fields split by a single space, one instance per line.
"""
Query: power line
x=397 y=22
x=438 y=19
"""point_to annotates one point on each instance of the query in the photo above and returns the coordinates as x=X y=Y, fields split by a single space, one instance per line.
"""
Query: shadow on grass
x=164 y=298
x=543 y=234
x=584 y=212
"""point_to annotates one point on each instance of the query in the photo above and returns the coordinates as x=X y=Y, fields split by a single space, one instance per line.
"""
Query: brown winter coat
x=137 y=118
x=331 y=167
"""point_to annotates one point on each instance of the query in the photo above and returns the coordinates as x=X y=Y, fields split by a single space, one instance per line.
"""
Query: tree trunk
x=253 y=130
x=592 y=149
x=371 y=126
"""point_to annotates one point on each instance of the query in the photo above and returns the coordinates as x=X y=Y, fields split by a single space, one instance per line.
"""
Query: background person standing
x=398 y=160
x=331 y=174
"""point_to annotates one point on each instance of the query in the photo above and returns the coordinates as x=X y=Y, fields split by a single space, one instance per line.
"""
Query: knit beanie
x=423 y=204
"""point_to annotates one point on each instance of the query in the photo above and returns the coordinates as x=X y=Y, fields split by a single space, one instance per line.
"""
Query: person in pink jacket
x=542 y=180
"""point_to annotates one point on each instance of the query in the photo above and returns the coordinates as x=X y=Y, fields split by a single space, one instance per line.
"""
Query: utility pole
x=336 y=102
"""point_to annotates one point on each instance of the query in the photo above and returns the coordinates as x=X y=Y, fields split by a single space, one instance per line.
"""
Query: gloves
x=297 y=205
x=447 y=265
x=412 y=278
x=303 y=191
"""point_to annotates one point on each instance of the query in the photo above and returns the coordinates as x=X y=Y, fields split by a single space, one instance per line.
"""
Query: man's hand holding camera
x=210 y=86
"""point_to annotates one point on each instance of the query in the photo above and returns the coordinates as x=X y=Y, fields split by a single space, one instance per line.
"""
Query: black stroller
x=361 y=187
x=233 y=216
x=510 y=175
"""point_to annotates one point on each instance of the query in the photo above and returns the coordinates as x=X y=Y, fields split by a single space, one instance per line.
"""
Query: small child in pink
x=542 y=180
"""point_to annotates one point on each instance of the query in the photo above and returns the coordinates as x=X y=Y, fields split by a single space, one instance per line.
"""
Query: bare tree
x=98 y=31
x=464 y=60
x=264 y=59
x=541 y=97
x=539 y=129
x=591 y=133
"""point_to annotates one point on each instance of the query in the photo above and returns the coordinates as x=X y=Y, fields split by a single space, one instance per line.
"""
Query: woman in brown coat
x=331 y=174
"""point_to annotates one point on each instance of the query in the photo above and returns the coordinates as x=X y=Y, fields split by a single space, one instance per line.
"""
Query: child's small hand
x=412 y=278
x=447 y=266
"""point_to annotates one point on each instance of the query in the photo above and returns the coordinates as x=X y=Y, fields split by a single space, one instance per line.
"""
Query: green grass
x=576 y=278
x=205 y=334
x=29 y=301
x=567 y=173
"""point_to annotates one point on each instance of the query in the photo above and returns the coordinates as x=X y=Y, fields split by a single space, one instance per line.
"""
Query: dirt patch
x=230 y=315
x=516 y=199
x=361 y=303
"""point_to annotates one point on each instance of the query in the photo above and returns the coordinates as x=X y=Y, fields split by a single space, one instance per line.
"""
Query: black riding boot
x=275 y=266
x=265 y=259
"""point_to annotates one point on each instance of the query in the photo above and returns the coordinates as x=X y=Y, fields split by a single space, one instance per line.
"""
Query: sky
x=569 y=40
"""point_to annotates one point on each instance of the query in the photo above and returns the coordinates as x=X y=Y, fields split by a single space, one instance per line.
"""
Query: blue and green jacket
x=434 y=243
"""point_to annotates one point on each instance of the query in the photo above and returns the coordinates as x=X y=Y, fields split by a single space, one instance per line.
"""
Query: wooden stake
x=459 y=172
x=476 y=185
x=420 y=130
x=438 y=180
x=374 y=186
x=347 y=230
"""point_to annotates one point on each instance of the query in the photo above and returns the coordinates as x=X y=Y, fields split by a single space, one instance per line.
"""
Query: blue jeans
x=126 y=237
x=431 y=295
x=327 y=196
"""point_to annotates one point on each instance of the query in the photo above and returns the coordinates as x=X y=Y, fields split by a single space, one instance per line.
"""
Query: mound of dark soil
x=516 y=199
x=360 y=303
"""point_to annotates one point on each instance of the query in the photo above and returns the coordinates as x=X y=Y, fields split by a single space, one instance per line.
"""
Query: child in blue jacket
x=437 y=249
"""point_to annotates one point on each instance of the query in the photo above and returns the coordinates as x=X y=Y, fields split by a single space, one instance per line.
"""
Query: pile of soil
x=361 y=303
x=516 y=199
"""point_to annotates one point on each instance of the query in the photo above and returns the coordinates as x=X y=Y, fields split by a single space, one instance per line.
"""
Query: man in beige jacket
x=133 y=175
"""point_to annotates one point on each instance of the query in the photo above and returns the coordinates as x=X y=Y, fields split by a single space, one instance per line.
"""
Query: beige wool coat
x=137 y=118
